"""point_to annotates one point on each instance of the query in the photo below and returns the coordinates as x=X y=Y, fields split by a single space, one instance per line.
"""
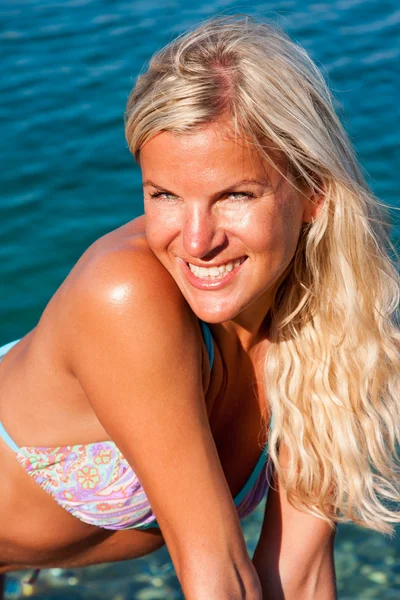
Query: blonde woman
x=238 y=337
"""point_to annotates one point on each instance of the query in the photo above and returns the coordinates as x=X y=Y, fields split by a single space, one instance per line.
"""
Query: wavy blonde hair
x=332 y=370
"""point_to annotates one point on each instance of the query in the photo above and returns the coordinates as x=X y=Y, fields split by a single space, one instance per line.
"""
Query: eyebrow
x=231 y=187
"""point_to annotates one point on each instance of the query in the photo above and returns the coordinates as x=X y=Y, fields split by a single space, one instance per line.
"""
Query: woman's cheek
x=160 y=230
x=277 y=236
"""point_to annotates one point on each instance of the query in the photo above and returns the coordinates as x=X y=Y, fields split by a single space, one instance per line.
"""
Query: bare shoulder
x=117 y=268
x=119 y=287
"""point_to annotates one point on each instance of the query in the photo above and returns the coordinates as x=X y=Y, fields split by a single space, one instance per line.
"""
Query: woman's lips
x=214 y=282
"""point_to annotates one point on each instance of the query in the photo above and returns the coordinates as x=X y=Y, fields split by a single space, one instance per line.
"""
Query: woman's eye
x=241 y=195
x=236 y=196
x=163 y=196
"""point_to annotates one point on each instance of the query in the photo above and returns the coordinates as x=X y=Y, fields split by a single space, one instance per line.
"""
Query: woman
x=257 y=285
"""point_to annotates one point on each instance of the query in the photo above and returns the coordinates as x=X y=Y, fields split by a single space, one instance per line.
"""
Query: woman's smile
x=213 y=276
x=222 y=221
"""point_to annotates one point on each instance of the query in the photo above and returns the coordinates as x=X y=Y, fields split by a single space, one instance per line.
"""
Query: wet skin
x=36 y=383
x=197 y=212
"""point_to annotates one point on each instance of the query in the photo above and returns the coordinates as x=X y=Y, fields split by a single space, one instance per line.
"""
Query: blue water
x=66 y=70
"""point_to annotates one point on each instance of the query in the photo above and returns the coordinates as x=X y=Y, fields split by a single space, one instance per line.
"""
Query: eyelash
x=242 y=195
x=159 y=194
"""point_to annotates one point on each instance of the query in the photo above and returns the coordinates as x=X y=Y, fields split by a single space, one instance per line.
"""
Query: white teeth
x=215 y=272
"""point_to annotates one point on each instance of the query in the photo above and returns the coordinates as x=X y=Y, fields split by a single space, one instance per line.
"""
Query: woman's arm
x=136 y=350
x=294 y=555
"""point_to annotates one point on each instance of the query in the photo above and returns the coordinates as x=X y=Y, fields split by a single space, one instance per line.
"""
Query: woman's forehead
x=211 y=150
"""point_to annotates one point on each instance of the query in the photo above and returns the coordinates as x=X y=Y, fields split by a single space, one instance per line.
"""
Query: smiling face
x=223 y=222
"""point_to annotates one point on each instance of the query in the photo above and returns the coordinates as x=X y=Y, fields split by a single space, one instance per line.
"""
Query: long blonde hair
x=332 y=370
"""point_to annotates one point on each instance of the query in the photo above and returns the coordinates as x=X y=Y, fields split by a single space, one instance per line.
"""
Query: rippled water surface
x=67 y=177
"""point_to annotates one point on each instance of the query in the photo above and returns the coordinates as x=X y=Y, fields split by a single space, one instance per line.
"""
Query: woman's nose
x=202 y=233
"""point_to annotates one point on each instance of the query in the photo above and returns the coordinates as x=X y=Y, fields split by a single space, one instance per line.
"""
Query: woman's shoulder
x=118 y=284
x=120 y=268
x=121 y=256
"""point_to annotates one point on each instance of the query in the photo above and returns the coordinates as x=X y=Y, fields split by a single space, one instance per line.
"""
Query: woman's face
x=223 y=222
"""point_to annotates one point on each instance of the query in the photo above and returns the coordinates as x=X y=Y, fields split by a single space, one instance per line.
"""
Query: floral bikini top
x=95 y=483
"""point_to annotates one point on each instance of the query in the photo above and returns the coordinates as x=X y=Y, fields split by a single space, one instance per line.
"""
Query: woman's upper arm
x=294 y=555
x=137 y=354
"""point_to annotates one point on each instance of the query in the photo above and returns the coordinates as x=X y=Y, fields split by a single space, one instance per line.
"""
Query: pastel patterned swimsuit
x=95 y=483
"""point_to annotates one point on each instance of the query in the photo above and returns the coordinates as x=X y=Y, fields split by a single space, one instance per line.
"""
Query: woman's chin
x=213 y=313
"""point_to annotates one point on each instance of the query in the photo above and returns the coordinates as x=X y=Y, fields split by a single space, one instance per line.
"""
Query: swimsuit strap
x=208 y=340
x=8 y=440
x=4 y=349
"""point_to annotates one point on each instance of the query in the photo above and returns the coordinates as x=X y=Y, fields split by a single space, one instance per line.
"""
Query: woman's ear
x=313 y=205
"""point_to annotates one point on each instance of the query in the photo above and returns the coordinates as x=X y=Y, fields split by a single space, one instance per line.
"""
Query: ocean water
x=67 y=68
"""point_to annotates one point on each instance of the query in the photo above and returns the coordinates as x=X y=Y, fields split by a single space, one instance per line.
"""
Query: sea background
x=67 y=178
